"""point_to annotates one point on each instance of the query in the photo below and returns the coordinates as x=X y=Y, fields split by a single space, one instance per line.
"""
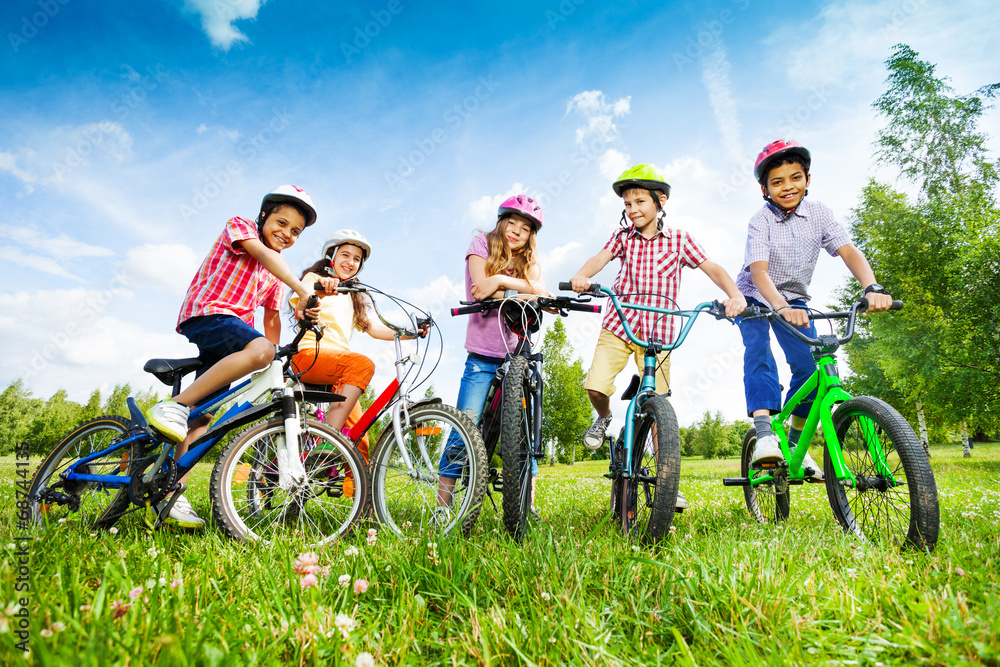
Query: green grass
x=721 y=590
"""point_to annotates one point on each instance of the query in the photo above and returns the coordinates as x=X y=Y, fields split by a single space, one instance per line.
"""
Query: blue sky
x=131 y=131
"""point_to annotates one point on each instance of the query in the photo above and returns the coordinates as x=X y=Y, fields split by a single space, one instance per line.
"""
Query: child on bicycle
x=783 y=243
x=652 y=257
x=496 y=261
x=243 y=270
x=330 y=361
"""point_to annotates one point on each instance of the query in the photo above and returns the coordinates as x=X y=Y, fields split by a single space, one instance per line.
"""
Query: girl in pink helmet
x=499 y=260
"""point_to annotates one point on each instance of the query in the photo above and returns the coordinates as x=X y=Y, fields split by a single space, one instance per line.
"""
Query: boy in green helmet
x=651 y=260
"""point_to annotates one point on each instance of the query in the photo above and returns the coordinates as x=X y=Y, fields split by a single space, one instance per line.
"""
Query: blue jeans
x=476 y=379
x=760 y=372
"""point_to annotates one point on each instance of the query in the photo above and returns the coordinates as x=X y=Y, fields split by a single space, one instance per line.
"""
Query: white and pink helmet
x=524 y=206
x=292 y=194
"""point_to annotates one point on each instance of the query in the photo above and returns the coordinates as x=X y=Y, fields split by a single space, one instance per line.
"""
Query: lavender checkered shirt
x=790 y=244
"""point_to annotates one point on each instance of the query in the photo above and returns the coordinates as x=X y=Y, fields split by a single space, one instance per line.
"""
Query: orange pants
x=335 y=368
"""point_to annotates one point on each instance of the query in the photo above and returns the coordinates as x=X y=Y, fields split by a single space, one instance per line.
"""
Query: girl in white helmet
x=331 y=362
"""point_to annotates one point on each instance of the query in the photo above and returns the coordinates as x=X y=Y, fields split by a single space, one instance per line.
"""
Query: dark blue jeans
x=760 y=372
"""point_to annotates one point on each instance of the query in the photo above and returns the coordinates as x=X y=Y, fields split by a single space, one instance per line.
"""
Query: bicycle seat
x=168 y=370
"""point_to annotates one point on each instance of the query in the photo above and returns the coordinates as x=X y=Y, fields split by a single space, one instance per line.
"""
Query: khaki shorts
x=611 y=356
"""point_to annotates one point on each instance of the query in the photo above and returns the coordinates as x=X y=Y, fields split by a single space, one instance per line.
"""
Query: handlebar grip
x=344 y=287
x=863 y=306
x=465 y=310
x=312 y=301
x=568 y=287
x=583 y=307
x=565 y=286
x=896 y=305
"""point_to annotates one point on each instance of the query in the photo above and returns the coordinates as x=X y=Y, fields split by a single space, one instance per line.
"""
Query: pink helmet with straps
x=773 y=150
x=523 y=206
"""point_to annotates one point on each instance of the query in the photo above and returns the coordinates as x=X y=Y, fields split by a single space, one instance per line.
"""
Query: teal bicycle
x=878 y=478
x=645 y=462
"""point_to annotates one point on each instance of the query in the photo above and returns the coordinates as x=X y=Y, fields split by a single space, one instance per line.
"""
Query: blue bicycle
x=286 y=473
x=645 y=462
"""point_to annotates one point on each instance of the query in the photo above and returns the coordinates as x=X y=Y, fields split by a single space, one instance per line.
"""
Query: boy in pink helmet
x=243 y=271
x=652 y=257
x=783 y=243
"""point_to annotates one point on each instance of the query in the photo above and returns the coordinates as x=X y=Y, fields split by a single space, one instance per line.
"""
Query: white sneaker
x=682 y=504
x=170 y=418
x=441 y=518
x=594 y=437
x=767 y=450
x=181 y=514
x=809 y=462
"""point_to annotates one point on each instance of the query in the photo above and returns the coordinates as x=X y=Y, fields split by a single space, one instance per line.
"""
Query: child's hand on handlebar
x=735 y=305
x=877 y=301
x=580 y=283
x=796 y=316
x=329 y=284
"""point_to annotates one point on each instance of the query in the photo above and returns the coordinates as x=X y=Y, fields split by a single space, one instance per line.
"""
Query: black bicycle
x=513 y=413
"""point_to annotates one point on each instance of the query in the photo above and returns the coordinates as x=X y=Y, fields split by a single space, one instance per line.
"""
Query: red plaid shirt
x=231 y=281
x=651 y=271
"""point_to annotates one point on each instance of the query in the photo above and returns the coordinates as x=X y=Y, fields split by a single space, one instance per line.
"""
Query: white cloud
x=218 y=17
x=612 y=163
x=8 y=163
x=51 y=255
x=600 y=115
x=715 y=69
x=165 y=267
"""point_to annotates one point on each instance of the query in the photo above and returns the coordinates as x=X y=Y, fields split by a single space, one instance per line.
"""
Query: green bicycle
x=878 y=478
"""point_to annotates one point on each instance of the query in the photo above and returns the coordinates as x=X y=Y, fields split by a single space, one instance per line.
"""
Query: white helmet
x=295 y=195
x=348 y=236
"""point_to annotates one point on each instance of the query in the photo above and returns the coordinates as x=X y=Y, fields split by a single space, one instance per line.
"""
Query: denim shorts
x=217 y=337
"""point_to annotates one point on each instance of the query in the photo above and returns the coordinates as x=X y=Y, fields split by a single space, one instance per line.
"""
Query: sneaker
x=594 y=437
x=533 y=513
x=767 y=450
x=181 y=514
x=170 y=418
x=682 y=503
x=809 y=462
x=441 y=518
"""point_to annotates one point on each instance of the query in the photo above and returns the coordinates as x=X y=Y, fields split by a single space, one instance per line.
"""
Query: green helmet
x=641 y=176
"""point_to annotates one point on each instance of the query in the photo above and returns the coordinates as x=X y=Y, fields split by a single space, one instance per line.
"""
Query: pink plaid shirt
x=231 y=281
x=650 y=275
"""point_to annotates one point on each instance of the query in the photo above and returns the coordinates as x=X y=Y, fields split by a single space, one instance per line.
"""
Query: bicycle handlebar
x=352 y=285
x=860 y=306
x=560 y=303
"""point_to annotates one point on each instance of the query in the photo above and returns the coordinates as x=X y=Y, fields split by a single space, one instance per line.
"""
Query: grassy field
x=721 y=590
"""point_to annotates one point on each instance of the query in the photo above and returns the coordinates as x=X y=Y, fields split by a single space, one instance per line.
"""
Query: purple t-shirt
x=483 y=334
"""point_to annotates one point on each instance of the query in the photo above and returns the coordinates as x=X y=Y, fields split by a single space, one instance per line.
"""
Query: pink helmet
x=773 y=150
x=292 y=194
x=523 y=206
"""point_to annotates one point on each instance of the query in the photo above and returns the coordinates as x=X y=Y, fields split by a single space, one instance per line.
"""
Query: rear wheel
x=768 y=502
x=55 y=500
x=405 y=497
x=649 y=497
x=249 y=504
x=895 y=501
x=515 y=448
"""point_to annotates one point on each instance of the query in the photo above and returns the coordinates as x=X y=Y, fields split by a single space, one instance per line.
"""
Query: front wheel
x=649 y=497
x=516 y=448
x=55 y=500
x=406 y=495
x=895 y=499
x=767 y=502
x=249 y=504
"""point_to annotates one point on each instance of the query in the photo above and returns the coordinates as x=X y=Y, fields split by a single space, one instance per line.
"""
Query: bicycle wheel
x=895 y=501
x=649 y=497
x=249 y=503
x=515 y=448
x=55 y=500
x=768 y=502
x=406 y=498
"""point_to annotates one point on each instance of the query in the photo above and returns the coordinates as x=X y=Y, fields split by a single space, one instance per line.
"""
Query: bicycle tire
x=406 y=499
x=648 y=501
x=906 y=514
x=515 y=448
x=248 y=503
x=97 y=505
x=768 y=502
